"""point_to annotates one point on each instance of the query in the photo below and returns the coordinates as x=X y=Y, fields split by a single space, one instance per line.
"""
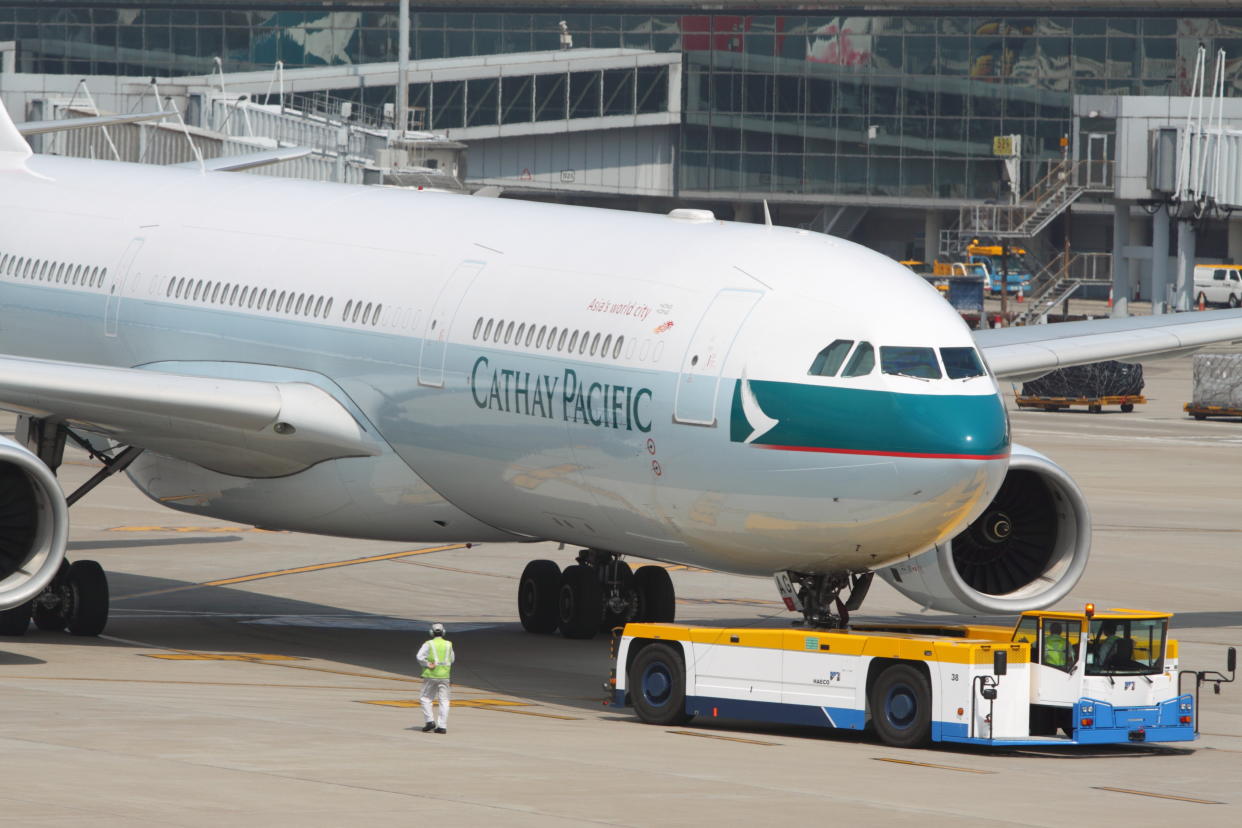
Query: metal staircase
x=1060 y=187
x=1059 y=280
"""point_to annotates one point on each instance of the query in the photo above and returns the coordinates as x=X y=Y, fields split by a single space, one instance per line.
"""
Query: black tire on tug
x=88 y=590
x=1126 y=408
x=621 y=572
x=15 y=621
x=657 y=685
x=581 y=602
x=1233 y=301
x=537 y=597
x=901 y=706
x=657 y=601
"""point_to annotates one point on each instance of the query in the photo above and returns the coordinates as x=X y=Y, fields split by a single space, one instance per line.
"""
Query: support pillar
x=1235 y=239
x=1160 y=260
x=931 y=236
x=1121 y=265
x=403 y=66
x=1185 y=265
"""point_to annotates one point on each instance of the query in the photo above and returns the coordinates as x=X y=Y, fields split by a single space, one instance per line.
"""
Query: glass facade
x=895 y=105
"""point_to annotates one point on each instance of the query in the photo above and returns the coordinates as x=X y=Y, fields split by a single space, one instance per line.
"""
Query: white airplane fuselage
x=683 y=426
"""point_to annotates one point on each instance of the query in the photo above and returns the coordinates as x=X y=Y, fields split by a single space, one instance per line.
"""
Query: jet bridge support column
x=1235 y=239
x=1185 y=265
x=1160 y=259
x=1121 y=265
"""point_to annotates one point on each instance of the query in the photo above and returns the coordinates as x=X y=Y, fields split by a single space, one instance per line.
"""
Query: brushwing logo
x=759 y=422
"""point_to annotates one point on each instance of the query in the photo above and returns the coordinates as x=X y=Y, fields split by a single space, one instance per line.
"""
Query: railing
x=1060 y=186
x=1058 y=280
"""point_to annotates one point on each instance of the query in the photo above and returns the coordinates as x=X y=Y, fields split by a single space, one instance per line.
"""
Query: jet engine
x=34 y=525
x=1026 y=551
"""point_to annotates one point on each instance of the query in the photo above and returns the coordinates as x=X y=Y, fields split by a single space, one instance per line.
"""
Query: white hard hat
x=437 y=629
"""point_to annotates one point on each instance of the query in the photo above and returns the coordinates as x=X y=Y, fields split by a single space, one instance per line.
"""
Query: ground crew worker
x=436 y=656
x=1055 y=646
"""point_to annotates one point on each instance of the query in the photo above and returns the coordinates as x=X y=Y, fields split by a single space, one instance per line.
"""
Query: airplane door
x=440 y=321
x=695 y=402
x=112 y=309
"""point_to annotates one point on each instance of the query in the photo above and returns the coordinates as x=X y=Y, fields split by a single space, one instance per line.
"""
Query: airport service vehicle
x=1053 y=678
x=1218 y=285
x=1019 y=265
x=366 y=362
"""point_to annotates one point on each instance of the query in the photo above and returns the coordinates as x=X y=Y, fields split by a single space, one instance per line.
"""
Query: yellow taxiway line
x=297 y=570
x=1159 y=795
x=930 y=765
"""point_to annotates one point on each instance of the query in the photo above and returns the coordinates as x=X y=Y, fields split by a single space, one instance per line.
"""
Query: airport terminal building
x=878 y=120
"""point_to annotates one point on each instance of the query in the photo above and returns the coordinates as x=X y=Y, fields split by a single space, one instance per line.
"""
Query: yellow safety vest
x=441 y=649
x=1054 y=651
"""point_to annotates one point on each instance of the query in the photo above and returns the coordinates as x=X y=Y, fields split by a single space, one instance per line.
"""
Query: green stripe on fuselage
x=817 y=417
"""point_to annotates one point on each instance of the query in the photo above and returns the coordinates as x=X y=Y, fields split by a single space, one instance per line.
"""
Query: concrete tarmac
x=257 y=678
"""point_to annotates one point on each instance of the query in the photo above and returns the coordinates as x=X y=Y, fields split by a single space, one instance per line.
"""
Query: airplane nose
x=971 y=427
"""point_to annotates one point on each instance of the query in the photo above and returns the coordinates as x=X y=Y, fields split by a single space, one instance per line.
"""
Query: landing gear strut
x=596 y=593
x=818 y=595
x=77 y=598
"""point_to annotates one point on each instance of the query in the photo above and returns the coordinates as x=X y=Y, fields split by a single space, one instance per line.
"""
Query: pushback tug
x=1053 y=678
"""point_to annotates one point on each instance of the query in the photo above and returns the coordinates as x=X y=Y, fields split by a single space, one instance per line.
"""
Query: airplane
x=372 y=363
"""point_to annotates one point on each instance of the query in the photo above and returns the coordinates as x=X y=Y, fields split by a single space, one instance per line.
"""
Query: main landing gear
x=597 y=593
x=818 y=596
x=77 y=598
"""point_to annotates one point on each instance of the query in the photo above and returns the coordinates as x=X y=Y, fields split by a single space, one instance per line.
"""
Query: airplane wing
x=250 y=160
x=240 y=427
x=61 y=124
x=1027 y=352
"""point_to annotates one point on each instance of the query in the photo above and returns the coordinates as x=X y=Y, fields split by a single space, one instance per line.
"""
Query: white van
x=1219 y=284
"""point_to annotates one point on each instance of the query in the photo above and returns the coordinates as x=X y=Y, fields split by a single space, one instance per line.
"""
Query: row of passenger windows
x=902 y=361
x=42 y=270
x=245 y=296
x=541 y=336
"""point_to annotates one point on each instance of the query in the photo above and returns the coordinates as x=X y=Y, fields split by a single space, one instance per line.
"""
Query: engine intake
x=34 y=525
x=1026 y=551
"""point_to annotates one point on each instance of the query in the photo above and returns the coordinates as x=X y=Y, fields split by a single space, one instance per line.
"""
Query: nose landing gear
x=596 y=593
x=817 y=596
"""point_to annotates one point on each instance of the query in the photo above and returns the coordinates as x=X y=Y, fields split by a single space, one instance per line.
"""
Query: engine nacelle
x=1026 y=551
x=34 y=525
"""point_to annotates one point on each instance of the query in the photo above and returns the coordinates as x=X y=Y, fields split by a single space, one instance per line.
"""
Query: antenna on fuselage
x=767 y=214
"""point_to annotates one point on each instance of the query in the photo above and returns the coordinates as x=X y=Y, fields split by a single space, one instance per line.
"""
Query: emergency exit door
x=699 y=382
x=112 y=308
x=440 y=323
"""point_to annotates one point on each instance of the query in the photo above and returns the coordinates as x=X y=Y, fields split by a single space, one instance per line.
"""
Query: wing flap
x=1032 y=351
x=239 y=427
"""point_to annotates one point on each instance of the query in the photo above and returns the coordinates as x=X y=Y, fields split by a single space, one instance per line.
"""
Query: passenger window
x=198 y=289
x=487 y=331
x=573 y=340
x=375 y=317
x=543 y=330
x=327 y=309
x=300 y=302
x=908 y=361
x=509 y=332
x=271 y=300
x=560 y=345
x=366 y=313
x=828 y=361
x=616 y=349
x=530 y=334
x=594 y=344
x=582 y=345
x=319 y=307
x=478 y=326
x=500 y=330
x=603 y=349
x=215 y=293
x=172 y=283
x=961 y=363
x=103 y=274
x=517 y=340
x=862 y=362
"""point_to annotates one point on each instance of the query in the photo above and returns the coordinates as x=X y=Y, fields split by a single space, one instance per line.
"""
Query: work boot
x=441 y=730
x=430 y=726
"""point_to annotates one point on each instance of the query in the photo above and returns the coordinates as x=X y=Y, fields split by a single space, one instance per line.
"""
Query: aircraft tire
x=88 y=608
x=901 y=706
x=625 y=578
x=580 y=602
x=657 y=600
x=15 y=621
x=538 y=593
x=657 y=685
x=48 y=619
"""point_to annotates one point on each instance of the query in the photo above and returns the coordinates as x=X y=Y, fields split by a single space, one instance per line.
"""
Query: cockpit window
x=828 y=361
x=862 y=362
x=961 y=363
x=906 y=361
